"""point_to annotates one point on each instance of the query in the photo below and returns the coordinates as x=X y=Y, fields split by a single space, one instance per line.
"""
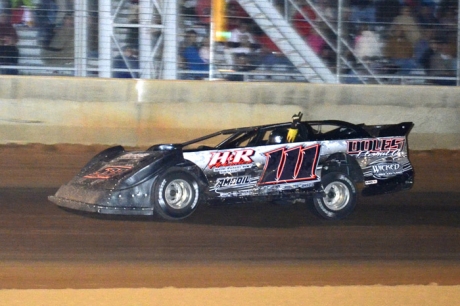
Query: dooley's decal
x=375 y=147
x=231 y=161
x=290 y=165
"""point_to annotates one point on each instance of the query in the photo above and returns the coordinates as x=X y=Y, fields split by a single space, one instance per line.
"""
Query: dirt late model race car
x=321 y=162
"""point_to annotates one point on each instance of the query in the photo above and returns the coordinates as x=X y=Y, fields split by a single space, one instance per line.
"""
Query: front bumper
x=96 y=208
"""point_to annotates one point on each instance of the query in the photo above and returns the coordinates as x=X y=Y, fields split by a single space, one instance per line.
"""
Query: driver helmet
x=277 y=136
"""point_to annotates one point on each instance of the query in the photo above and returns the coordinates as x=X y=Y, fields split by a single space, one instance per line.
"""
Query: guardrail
x=143 y=112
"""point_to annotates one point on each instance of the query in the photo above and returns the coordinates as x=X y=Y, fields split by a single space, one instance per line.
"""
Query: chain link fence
x=318 y=41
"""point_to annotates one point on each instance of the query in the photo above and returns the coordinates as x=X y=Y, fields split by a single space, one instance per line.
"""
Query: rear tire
x=339 y=198
x=176 y=195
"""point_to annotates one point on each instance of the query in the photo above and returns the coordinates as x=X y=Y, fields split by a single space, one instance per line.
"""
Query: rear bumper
x=399 y=183
x=101 y=209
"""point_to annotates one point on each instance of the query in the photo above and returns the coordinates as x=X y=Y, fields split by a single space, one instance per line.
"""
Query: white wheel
x=178 y=194
x=339 y=198
x=175 y=195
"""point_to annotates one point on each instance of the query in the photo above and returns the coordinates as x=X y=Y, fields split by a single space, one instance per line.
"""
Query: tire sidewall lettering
x=161 y=205
x=321 y=206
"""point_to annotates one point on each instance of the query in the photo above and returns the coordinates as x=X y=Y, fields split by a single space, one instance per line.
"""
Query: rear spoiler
x=389 y=130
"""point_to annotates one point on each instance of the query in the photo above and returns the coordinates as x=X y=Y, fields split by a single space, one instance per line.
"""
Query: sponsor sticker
x=379 y=147
x=370 y=182
x=108 y=172
x=231 y=161
x=386 y=169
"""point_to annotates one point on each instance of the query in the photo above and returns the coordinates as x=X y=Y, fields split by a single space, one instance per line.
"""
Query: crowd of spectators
x=53 y=22
x=402 y=36
x=9 y=53
x=408 y=36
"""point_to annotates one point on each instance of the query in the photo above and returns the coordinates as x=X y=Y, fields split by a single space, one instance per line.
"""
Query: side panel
x=384 y=162
x=257 y=171
x=268 y=170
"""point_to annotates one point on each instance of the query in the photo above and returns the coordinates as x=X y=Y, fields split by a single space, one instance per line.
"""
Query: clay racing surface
x=409 y=238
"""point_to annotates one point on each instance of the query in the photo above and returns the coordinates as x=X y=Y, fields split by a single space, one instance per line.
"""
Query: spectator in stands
x=45 y=17
x=362 y=11
x=203 y=11
x=447 y=11
x=423 y=45
x=21 y=12
x=242 y=64
x=235 y=13
x=368 y=45
x=205 y=50
x=245 y=45
x=133 y=19
x=7 y=29
x=448 y=15
x=5 y=6
x=126 y=65
x=315 y=40
x=426 y=16
x=9 y=54
x=187 y=8
x=241 y=41
x=270 y=55
x=408 y=24
x=192 y=59
x=425 y=58
x=442 y=64
x=386 y=11
x=60 y=51
x=241 y=33
x=400 y=51
x=329 y=9
x=302 y=24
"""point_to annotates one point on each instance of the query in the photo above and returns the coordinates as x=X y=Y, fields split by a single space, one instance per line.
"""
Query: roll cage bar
x=306 y=133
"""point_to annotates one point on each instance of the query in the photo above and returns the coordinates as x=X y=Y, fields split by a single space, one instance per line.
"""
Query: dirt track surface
x=406 y=238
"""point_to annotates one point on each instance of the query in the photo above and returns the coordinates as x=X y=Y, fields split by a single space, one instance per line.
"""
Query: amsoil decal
x=386 y=170
x=375 y=147
x=232 y=181
x=238 y=183
x=290 y=165
x=231 y=161
x=108 y=172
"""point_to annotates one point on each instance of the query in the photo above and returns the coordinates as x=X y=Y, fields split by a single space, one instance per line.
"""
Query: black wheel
x=339 y=198
x=176 y=195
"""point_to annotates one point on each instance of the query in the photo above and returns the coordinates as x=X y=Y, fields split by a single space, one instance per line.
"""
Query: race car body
x=325 y=161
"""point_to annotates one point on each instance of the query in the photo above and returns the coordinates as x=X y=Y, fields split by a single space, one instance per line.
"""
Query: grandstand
x=316 y=41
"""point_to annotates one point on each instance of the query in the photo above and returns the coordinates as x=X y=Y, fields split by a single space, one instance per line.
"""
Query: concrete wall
x=52 y=110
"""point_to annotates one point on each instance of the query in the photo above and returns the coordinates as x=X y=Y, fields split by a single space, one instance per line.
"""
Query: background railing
x=319 y=41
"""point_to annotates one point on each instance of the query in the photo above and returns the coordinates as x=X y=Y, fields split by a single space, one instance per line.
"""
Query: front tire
x=339 y=198
x=176 y=195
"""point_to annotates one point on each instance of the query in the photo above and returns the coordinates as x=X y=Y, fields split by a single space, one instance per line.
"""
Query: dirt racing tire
x=176 y=195
x=339 y=198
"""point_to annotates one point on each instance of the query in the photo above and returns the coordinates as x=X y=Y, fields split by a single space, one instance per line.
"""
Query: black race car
x=323 y=162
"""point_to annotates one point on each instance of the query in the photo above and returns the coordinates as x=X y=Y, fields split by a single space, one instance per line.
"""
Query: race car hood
x=126 y=169
x=114 y=175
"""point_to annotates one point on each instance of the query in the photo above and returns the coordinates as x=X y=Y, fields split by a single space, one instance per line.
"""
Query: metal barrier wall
x=52 y=110
x=316 y=41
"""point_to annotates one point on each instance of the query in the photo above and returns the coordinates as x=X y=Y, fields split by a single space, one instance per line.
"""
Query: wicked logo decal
x=231 y=161
x=108 y=172
x=386 y=170
x=375 y=147
x=289 y=165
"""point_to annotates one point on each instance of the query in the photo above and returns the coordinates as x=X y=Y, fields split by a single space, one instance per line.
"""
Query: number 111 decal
x=290 y=165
